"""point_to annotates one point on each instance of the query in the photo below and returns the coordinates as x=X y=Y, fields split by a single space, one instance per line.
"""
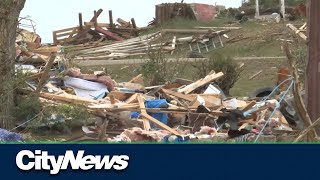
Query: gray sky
x=51 y=15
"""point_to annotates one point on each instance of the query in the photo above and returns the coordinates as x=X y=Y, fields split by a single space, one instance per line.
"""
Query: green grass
x=263 y=42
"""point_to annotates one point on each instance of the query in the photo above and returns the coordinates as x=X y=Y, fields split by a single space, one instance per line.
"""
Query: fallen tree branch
x=301 y=108
x=306 y=131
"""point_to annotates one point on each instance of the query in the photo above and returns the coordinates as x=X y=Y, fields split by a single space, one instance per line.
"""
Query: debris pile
x=178 y=111
x=92 y=31
x=194 y=11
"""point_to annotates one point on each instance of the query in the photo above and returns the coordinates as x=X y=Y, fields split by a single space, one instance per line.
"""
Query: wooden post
x=313 y=67
x=257 y=9
x=283 y=8
x=95 y=16
x=98 y=14
x=80 y=22
x=134 y=27
x=111 y=20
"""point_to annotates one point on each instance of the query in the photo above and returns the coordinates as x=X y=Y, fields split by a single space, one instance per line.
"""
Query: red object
x=204 y=12
x=301 y=10
x=109 y=34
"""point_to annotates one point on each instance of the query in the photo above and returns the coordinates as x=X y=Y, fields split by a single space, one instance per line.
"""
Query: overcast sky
x=50 y=15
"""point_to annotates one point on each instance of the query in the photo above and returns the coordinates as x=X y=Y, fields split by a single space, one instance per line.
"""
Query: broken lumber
x=146 y=123
x=137 y=80
x=256 y=74
x=208 y=79
x=177 y=94
x=160 y=124
x=132 y=98
x=45 y=73
x=108 y=34
x=297 y=31
x=69 y=98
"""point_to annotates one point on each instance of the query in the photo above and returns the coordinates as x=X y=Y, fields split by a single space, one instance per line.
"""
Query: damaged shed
x=196 y=11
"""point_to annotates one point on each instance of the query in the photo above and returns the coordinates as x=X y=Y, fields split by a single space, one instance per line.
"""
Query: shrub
x=219 y=63
x=158 y=70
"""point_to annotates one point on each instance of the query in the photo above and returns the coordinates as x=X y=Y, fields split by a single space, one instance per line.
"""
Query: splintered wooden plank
x=80 y=22
x=178 y=95
x=297 y=31
x=121 y=96
x=91 y=24
x=160 y=124
x=146 y=123
x=132 y=99
x=249 y=106
x=112 y=99
x=97 y=15
x=255 y=75
x=208 y=79
x=74 y=31
x=69 y=98
x=138 y=79
x=111 y=20
x=45 y=74
x=108 y=34
x=64 y=30
x=210 y=102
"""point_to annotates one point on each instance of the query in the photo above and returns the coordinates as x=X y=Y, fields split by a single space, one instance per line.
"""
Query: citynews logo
x=40 y=160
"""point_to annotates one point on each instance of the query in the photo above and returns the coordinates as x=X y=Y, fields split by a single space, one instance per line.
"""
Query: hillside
x=256 y=44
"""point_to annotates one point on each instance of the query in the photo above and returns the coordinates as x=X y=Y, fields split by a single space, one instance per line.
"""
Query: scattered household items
x=174 y=111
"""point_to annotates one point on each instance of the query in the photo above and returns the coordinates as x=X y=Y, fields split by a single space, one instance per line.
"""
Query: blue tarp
x=8 y=136
x=159 y=103
x=175 y=139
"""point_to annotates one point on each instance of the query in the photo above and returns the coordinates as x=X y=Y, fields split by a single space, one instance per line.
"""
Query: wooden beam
x=249 y=106
x=109 y=34
x=95 y=16
x=178 y=95
x=111 y=21
x=138 y=79
x=68 y=98
x=91 y=24
x=132 y=98
x=80 y=22
x=146 y=123
x=71 y=34
x=255 y=75
x=112 y=99
x=297 y=31
x=45 y=73
x=134 y=27
x=209 y=78
x=160 y=124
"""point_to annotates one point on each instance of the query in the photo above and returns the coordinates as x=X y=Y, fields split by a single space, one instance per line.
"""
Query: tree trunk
x=9 y=13
x=313 y=67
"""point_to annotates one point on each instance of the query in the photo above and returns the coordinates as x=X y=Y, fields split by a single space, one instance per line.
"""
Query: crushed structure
x=177 y=111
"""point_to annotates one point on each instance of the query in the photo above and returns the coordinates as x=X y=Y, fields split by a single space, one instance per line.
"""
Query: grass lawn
x=263 y=39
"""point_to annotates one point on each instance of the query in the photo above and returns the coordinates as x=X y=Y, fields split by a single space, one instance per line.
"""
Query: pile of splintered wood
x=93 y=31
x=141 y=45
x=130 y=47
x=192 y=108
